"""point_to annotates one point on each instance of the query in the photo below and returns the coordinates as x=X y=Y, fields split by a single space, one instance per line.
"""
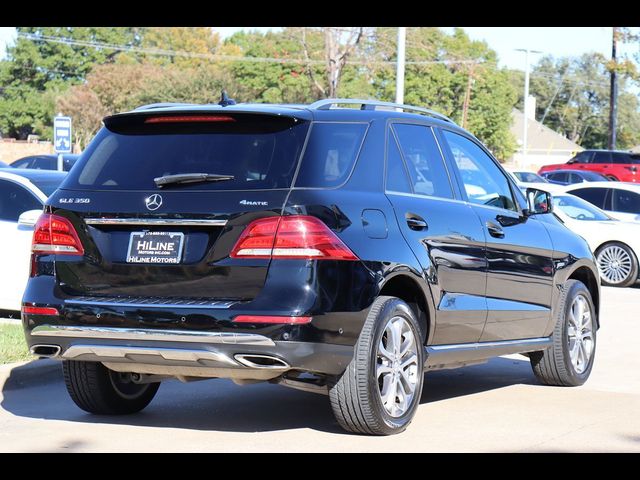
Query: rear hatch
x=150 y=242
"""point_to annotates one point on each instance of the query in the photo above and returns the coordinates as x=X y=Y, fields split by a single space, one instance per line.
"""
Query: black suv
x=333 y=249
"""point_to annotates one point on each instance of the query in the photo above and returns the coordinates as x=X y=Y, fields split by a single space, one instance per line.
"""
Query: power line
x=215 y=56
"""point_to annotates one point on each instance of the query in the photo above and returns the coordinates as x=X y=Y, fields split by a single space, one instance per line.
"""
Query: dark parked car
x=568 y=177
x=46 y=162
x=343 y=251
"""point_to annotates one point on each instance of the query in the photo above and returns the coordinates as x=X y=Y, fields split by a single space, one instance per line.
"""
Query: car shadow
x=220 y=405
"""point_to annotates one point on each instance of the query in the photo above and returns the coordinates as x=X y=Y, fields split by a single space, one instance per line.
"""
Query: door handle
x=495 y=230
x=416 y=222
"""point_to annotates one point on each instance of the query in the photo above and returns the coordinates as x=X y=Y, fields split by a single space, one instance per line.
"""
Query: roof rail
x=151 y=106
x=326 y=104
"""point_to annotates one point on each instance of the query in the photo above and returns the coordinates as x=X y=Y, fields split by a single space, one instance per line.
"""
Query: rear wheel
x=570 y=359
x=618 y=265
x=380 y=390
x=97 y=389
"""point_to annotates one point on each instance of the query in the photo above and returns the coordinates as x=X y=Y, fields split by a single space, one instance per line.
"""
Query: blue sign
x=62 y=134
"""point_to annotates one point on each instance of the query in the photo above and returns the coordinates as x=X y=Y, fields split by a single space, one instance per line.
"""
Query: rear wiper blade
x=190 y=178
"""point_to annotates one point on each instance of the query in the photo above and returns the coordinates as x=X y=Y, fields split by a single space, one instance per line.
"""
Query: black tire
x=96 y=389
x=554 y=366
x=355 y=396
x=611 y=178
x=632 y=277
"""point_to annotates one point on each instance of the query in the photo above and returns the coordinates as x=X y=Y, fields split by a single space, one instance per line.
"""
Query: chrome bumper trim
x=187 y=222
x=145 y=303
x=107 y=353
x=115 y=333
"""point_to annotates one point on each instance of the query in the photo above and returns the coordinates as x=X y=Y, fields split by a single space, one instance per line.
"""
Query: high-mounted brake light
x=290 y=237
x=39 y=310
x=190 y=118
x=55 y=234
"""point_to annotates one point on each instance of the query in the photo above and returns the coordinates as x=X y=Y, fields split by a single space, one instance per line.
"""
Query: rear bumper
x=190 y=354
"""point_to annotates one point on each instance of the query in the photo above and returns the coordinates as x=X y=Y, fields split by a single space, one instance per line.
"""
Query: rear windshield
x=259 y=151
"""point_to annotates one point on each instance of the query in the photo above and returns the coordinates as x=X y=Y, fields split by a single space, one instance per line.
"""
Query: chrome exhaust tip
x=269 y=362
x=47 y=351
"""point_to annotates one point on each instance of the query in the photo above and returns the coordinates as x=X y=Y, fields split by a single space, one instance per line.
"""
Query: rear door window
x=626 y=201
x=423 y=160
x=259 y=151
x=397 y=180
x=596 y=196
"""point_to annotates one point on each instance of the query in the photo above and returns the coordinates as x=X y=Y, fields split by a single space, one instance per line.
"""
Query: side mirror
x=538 y=201
x=570 y=161
x=29 y=218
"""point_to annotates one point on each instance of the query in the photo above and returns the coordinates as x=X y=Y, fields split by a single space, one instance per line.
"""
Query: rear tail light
x=55 y=234
x=291 y=237
x=272 y=319
x=39 y=310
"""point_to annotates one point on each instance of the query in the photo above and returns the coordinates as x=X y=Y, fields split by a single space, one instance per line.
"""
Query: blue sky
x=556 y=41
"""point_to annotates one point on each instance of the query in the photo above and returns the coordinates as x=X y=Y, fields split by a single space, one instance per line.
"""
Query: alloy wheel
x=615 y=264
x=397 y=366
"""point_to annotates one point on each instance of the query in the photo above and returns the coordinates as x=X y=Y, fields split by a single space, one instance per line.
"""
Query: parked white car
x=615 y=243
x=22 y=195
x=619 y=199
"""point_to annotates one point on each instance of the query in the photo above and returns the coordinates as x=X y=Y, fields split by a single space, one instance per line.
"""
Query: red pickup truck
x=615 y=165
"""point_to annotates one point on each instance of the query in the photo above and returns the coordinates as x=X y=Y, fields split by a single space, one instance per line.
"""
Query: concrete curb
x=25 y=374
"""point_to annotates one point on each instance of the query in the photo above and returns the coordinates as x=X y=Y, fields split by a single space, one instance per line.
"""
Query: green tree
x=572 y=98
x=198 y=42
x=458 y=75
x=37 y=69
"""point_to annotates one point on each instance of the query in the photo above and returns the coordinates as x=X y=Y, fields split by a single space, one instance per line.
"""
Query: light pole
x=526 y=97
x=402 y=36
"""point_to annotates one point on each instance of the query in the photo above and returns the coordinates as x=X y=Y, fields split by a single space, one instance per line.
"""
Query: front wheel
x=380 y=390
x=97 y=389
x=618 y=265
x=568 y=362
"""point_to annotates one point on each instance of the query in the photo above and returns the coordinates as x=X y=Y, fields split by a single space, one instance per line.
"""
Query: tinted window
x=15 y=200
x=330 y=154
x=625 y=201
x=44 y=163
x=22 y=163
x=621 y=157
x=559 y=176
x=575 y=178
x=582 y=157
x=397 y=180
x=483 y=180
x=602 y=157
x=424 y=160
x=592 y=195
x=260 y=151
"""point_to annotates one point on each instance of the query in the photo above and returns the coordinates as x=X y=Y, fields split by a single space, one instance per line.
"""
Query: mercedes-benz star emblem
x=153 y=202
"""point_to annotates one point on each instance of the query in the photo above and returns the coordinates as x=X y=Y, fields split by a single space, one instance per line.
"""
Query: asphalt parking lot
x=495 y=407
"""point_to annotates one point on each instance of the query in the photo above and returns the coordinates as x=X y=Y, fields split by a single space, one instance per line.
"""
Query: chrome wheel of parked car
x=617 y=264
x=397 y=366
x=580 y=333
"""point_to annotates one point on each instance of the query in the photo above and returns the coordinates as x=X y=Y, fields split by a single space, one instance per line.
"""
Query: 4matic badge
x=252 y=202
